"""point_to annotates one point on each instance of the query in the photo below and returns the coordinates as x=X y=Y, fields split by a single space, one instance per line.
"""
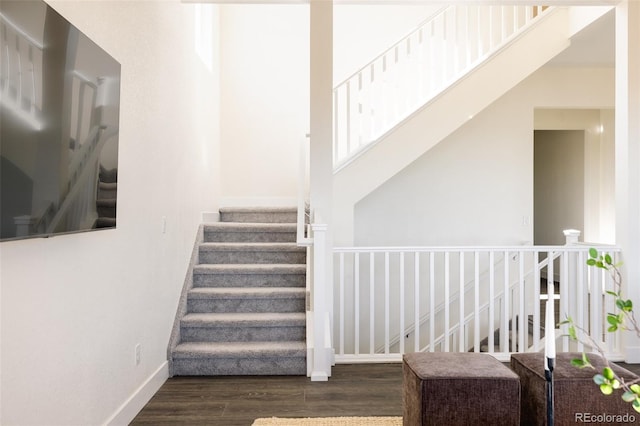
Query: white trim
x=419 y=2
x=134 y=404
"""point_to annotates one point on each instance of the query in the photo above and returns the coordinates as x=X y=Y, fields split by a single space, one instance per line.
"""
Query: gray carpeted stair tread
x=250 y=319
x=108 y=186
x=105 y=222
x=106 y=202
x=259 y=214
x=250 y=232
x=240 y=349
x=244 y=246
x=251 y=253
x=249 y=275
x=250 y=227
x=251 y=269
x=247 y=292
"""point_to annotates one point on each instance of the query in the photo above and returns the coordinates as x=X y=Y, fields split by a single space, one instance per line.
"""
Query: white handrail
x=418 y=68
x=302 y=232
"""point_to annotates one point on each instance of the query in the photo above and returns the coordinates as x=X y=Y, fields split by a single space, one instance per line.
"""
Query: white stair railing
x=386 y=292
x=419 y=67
x=304 y=213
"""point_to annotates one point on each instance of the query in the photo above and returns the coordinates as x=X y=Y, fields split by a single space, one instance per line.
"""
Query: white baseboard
x=258 y=202
x=136 y=402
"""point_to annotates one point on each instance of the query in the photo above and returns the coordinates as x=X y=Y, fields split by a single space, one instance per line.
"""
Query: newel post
x=321 y=365
x=570 y=288
x=572 y=236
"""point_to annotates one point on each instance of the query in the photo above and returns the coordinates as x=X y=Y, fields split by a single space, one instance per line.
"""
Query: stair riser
x=107 y=193
x=106 y=211
x=259 y=257
x=259 y=217
x=249 y=280
x=242 y=334
x=240 y=366
x=245 y=305
x=249 y=237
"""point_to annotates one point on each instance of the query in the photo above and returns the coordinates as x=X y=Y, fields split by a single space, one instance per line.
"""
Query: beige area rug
x=330 y=421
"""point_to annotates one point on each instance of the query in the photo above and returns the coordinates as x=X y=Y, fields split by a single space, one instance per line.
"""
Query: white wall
x=362 y=32
x=265 y=101
x=265 y=86
x=476 y=186
x=74 y=307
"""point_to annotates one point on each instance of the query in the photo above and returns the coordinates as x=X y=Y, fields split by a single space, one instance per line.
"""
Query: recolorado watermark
x=604 y=418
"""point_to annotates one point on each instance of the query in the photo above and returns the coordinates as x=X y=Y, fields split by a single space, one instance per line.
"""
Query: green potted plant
x=623 y=319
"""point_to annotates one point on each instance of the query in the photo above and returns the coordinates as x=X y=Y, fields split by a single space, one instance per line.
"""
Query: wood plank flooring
x=353 y=390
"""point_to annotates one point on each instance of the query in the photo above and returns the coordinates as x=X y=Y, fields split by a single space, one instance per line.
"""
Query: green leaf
x=620 y=304
x=612 y=293
x=635 y=388
x=613 y=319
x=599 y=264
x=612 y=329
x=591 y=262
x=606 y=389
x=607 y=259
x=629 y=396
x=628 y=305
x=572 y=333
x=593 y=253
x=615 y=384
x=599 y=379
x=578 y=363
x=608 y=373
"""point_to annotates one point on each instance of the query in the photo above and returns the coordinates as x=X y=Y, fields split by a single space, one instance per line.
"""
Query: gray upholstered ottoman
x=459 y=389
x=577 y=399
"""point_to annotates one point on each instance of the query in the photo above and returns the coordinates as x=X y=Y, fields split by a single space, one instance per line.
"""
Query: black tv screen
x=59 y=119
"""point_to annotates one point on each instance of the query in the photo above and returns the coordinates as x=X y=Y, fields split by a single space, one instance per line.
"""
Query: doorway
x=559 y=183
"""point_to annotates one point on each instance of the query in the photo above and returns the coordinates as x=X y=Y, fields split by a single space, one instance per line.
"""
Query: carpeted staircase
x=106 y=198
x=245 y=308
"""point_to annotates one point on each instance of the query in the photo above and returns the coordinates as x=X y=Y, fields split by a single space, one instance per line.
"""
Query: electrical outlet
x=138 y=354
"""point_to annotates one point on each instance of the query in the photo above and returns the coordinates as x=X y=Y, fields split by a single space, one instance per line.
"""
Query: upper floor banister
x=393 y=300
x=416 y=69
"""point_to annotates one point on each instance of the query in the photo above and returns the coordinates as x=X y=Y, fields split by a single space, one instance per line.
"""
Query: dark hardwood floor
x=353 y=390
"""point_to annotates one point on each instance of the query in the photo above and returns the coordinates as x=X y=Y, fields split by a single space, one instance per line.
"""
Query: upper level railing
x=419 y=67
x=389 y=301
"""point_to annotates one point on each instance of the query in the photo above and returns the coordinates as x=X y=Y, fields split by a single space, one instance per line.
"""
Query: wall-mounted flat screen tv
x=59 y=119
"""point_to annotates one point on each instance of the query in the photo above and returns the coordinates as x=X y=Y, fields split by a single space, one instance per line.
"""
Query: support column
x=628 y=157
x=321 y=108
x=321 y=176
